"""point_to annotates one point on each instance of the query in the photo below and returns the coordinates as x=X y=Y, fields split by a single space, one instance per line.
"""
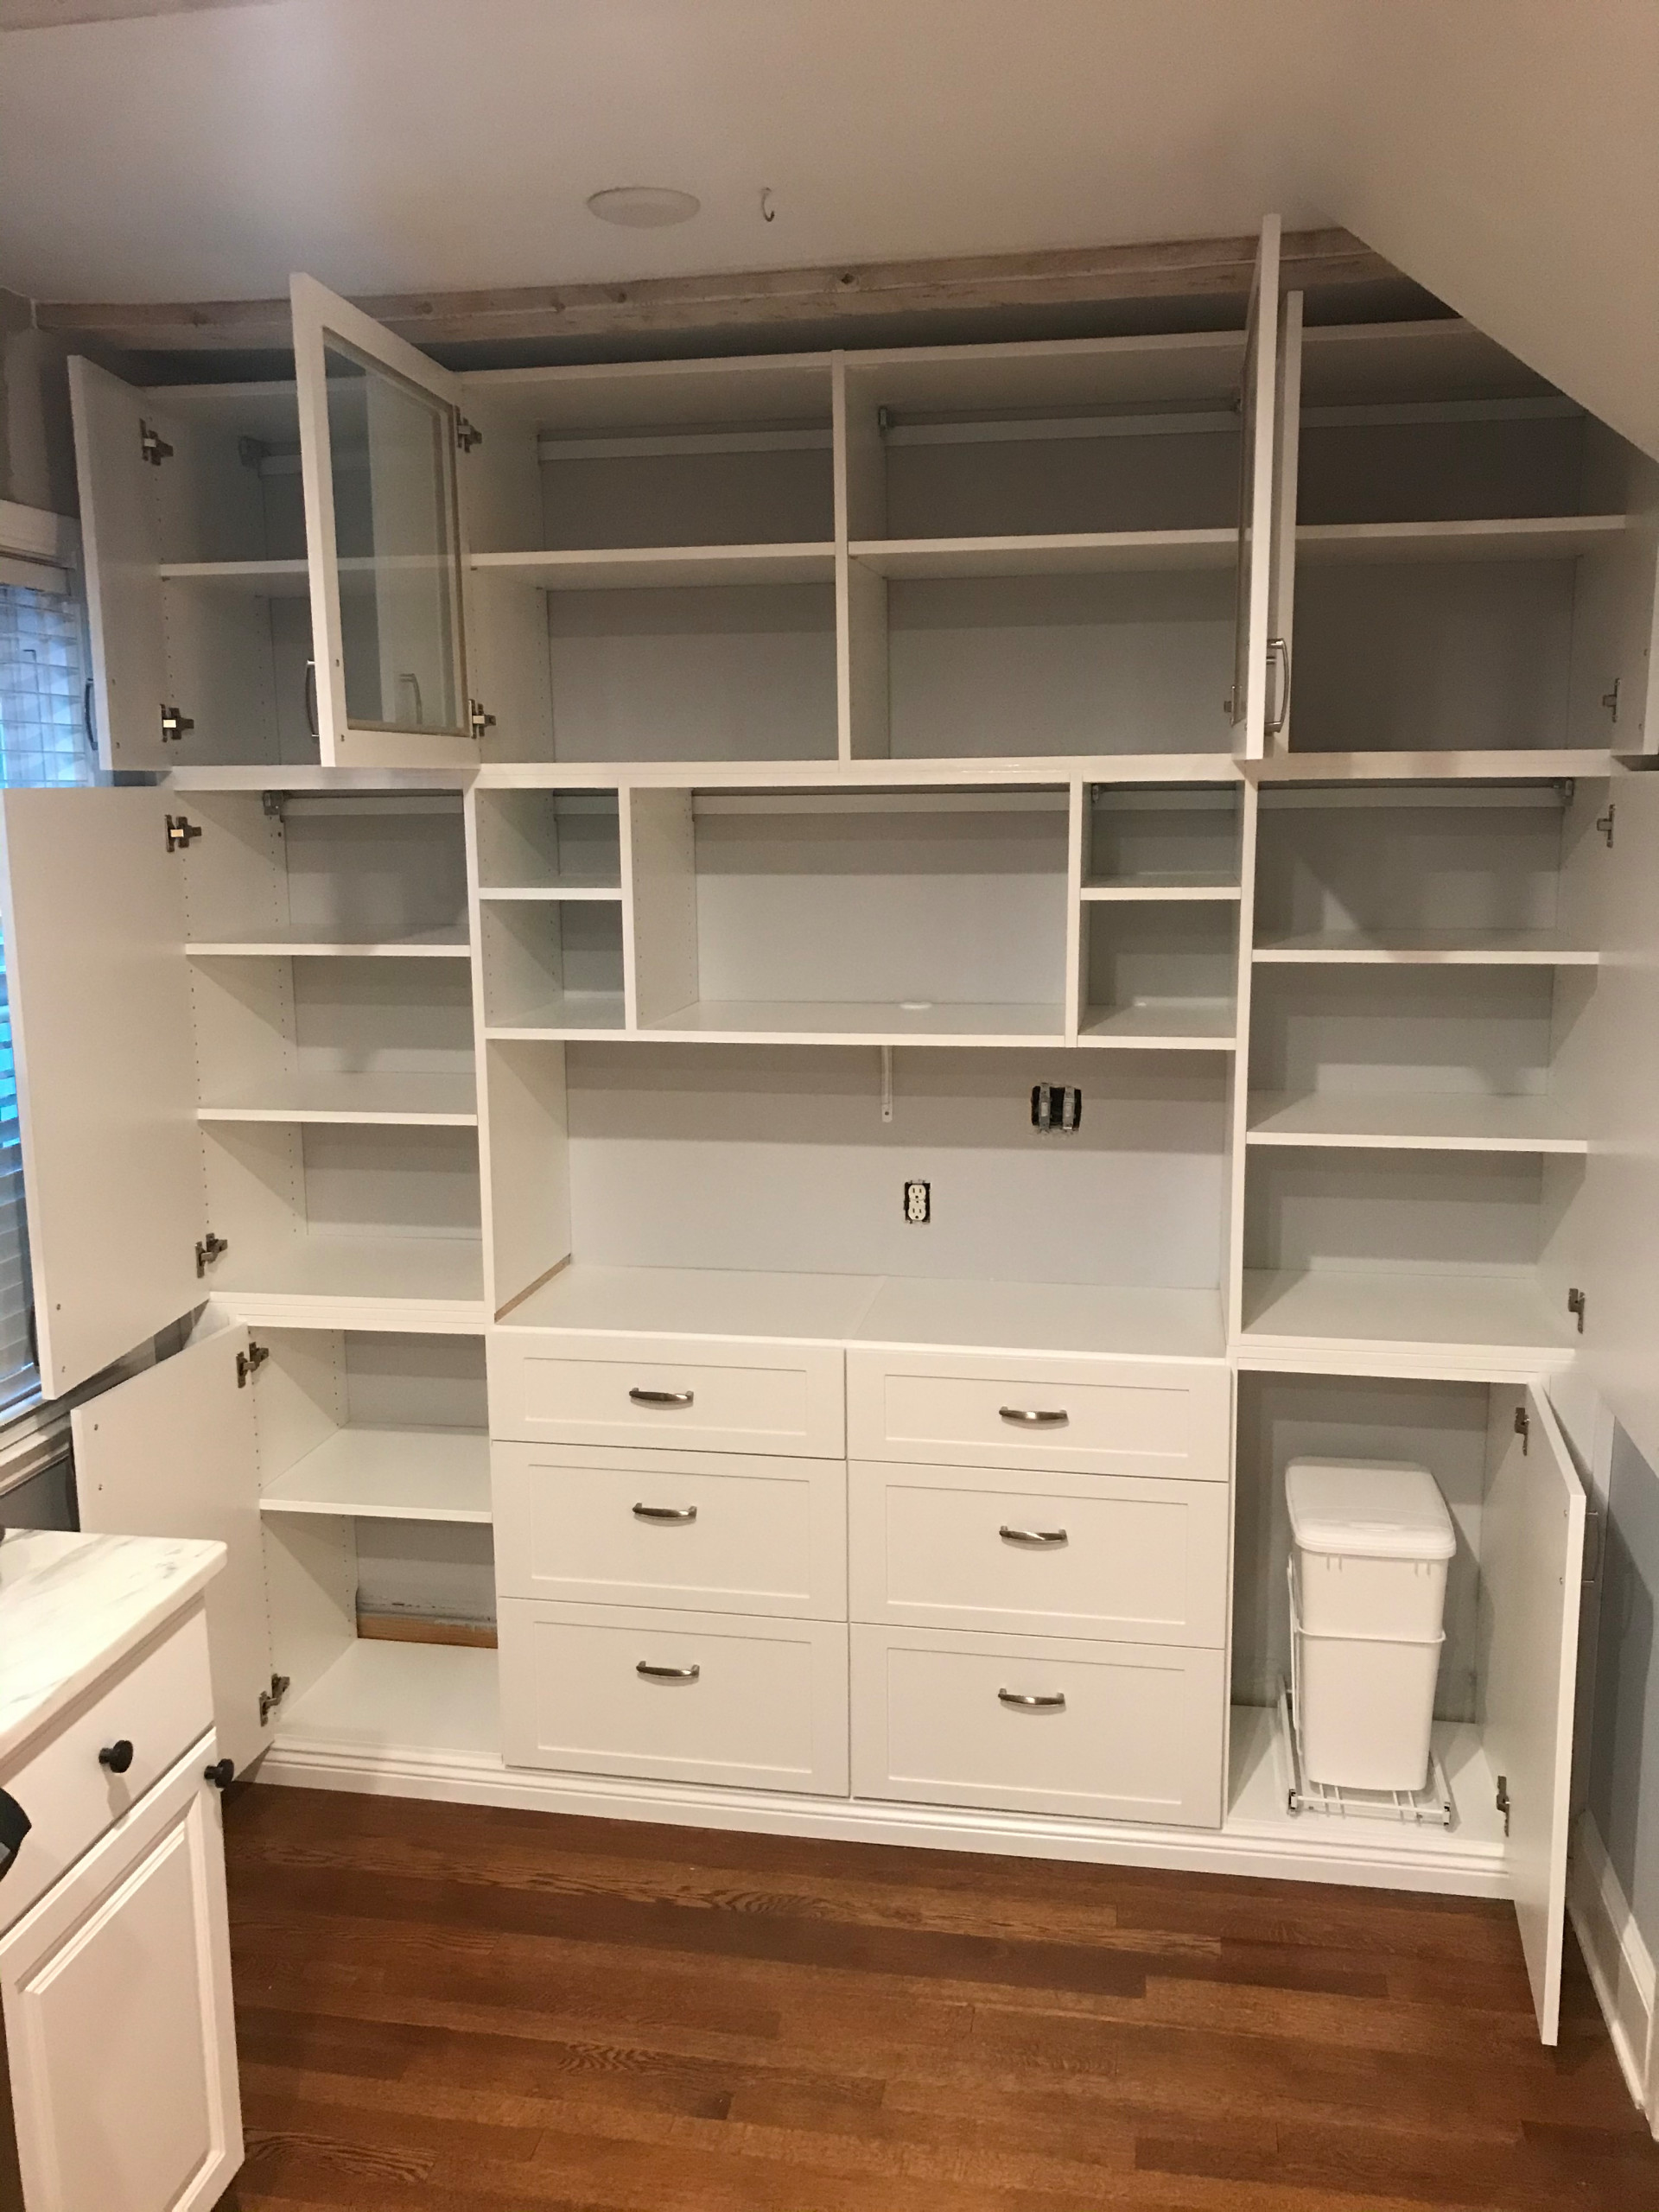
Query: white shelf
x=1479 y=1323
x=381 y=1698
x=698 y=1301
x=548 y=892
x=400 y=1100
x=426 y=944
x=357 y=1282
x=1145 y=1323
x=566 y=1013
x=664 y=567
x=1544 y=537
x=1066 y=554
x=1163 y=1025
x=1430 y=949
x=1176 y=889
x=389 y=1474
x=1408 y=1122
x=264 y=579
x=814 y=1021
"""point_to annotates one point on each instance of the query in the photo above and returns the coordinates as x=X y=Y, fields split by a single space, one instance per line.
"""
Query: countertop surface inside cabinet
x=71 y=1606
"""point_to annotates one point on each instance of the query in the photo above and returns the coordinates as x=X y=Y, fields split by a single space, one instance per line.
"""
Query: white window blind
x=44 y=739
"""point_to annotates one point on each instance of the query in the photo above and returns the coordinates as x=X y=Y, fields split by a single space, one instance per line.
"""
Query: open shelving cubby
x=652 y=560
x=1418 y=1123
x=1042 y=541
x=1475 y=555
x=1159 y=893
x=198 y=583
x=330 y=985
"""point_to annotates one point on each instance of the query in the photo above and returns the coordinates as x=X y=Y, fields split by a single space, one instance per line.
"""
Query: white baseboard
x=1360 y=1853
x=1621 y=1967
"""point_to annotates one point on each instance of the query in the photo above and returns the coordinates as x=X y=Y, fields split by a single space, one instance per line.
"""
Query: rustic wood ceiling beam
x=772 y=300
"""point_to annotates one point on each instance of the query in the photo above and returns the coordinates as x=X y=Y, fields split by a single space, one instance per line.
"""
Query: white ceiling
x=1499 y=150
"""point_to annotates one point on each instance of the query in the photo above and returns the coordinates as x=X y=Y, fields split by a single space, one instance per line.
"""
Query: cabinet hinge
x=211 y=1248
x=270 y=1699
x=883 y=421
x=1523 y=1429
x=253 y=452
x=180 y=831
x=153 y=446
x=175 y=723
x=1604 y=824
x=467 y=435
x=479 y=721
x=1503 y=1800
x=1576 y=1305
x=271 y=805
x=249 y=1362
x=1610 y=699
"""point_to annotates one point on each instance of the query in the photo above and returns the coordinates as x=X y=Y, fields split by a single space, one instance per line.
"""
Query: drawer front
x=681 y=1392
x=721 y=1532
x=160 y=1702
x=1124 y=1732
x=1110 y=1417
x=730 y=1700
x=1098 y=1556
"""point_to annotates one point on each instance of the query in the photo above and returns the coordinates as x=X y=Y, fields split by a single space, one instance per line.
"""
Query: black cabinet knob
x=117 y=1756
x=222 y=1773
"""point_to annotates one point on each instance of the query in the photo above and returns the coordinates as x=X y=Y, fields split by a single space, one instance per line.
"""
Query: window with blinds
x=44 y=739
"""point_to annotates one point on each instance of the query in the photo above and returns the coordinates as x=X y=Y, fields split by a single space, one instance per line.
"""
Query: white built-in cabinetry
x=620 y=825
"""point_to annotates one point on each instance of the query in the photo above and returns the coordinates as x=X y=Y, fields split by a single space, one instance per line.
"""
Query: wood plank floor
x=453 y=2007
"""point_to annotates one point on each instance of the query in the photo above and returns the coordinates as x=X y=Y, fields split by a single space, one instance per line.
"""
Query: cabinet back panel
x=1419 y=1212
x=720 y=673
x=364 y=1016
x=533 y=840
x=779 y=1160
x=425 y=1569
x=1473 y=1030
x=689 y=499
x=366 y=1181
x=950 y=907
x=1432 y=656
x=214 y=504
x=1137 y=954
x=394 y=1381
x=1440 y=1425
x=1056 y=665
x=1440 y=472
x=1134 y=832
x=1005 y=486
x=1380 y=866
x=222 y=670
x=372 y=874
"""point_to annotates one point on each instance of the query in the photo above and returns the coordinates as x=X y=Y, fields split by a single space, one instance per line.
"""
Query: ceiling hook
x=768 y=212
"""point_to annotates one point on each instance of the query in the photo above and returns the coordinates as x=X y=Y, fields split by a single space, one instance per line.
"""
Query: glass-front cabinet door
x=380 y=427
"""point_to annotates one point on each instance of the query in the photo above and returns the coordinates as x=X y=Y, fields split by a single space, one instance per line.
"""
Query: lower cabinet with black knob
x=115 y=1971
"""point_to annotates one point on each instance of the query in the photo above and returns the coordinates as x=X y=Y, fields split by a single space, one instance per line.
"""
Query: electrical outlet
x=919 y=1202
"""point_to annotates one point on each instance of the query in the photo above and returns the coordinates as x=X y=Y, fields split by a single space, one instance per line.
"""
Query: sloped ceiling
x=1499 y=151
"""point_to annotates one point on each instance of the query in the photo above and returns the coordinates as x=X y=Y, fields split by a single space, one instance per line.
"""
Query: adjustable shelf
x=1480 y=1324
x=1429 y=947
x=1162 y=1025
x=1533 y=537
x=815 y=1021
x=1408 y=1122
x=392 y=1099
x=661 y=568
x=322 y=945
x=391 y=1281
x=1066 y=553
x=389 y=1474
x=260 y=579
x=1176 y=888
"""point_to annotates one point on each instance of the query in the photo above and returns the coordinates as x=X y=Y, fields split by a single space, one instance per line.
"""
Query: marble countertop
x=71 y=1606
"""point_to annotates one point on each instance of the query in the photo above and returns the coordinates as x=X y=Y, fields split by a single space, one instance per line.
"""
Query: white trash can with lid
x=1370 y=1543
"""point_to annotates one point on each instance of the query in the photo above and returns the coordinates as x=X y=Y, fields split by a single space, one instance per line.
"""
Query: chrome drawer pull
x=1028 y=1701
x=661 y=1397
x=666 y=1674
x=1035 y=1416
x=1035 y=1537
x=664 y=1512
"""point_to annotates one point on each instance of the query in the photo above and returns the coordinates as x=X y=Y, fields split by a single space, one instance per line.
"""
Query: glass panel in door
x=391 y=456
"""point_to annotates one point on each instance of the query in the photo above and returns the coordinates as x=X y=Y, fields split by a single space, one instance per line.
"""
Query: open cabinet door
x=1281 y=567
x=172 y=1454
x=92 y=908
x=1257 y=412
x=121 y=550
x=1532 y=1568
x=381 y=428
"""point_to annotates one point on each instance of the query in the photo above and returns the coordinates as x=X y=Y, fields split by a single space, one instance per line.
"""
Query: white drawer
x=547 y=1388
x=760 y=1704
x=1099 y=1416
x=159 y=1701
x=1138 y=1736
x=722 y=1532
x=1044 y=1554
